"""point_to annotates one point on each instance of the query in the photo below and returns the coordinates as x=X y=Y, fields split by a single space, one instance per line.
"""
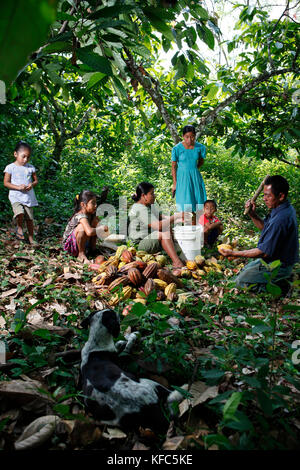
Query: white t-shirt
x=21 y=174
x=140 y=216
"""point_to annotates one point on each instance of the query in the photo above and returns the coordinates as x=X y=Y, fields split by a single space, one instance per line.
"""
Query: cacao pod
x=149 y=286
x=121 y=264
x=111 y=270
x=161 y=259
x=223 y=246
x=171 y=288
x=150 y=271
x=135 y=276
x=160 y=284
x=120 y=250
x=93 y=267
x=200 y=260
x=186 y=273
x=141 y=253
x=126 y=256
x=141 y=264
x=147 y=258
x=132 y=250
x=122 y=280
x=126 y=292
x=125 y=269
x=191 y=265
x=100 y=259
x=160 y=296
x=165 y=275
x=172 y=297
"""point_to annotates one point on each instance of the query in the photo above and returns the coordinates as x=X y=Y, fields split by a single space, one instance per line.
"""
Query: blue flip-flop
x=19 y=237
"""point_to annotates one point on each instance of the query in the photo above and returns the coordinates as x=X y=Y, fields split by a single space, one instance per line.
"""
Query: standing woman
x=188 y=185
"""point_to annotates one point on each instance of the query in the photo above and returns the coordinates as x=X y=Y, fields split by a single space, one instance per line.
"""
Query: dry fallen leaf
x=39 y=431
x=173 y=443
x=200 y=393
x=8 y=293
x=114 y=433
x=139 y=446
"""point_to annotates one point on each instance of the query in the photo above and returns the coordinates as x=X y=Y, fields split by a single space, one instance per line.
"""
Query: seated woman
x=81 y=232
x=150 y=228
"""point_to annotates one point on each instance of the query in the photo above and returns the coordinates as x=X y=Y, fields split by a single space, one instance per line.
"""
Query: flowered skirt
x=71 y=245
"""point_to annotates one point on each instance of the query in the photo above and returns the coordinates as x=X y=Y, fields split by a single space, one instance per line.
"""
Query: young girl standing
x=80 y=234
x=20 y=178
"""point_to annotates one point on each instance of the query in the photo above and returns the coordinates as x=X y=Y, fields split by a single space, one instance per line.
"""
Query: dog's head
x=107 y=317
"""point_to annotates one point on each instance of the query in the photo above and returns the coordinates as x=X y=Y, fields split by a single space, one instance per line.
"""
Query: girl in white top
x=20 y=178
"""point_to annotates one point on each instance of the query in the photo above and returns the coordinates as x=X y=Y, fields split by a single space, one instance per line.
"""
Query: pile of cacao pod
x=138 y=274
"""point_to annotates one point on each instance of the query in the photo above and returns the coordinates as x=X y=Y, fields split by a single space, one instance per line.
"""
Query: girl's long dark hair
x=85 y=196
x=142 y=188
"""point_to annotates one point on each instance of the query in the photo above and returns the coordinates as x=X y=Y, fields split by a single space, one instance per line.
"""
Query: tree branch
x=151 y=86
x=265 y=76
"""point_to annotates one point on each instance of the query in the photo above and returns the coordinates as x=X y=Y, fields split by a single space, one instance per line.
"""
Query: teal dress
x=190 y=189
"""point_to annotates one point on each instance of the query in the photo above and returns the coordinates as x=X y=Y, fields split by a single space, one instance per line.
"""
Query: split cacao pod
x=111 y=270
x=150 y=271
x=166 y=275
x=191 y=265
x=135 y=276
x=122 y=280
x=160 y=295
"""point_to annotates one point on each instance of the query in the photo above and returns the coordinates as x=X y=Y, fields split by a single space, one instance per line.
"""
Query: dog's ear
x=86 y=321
x=111 y=321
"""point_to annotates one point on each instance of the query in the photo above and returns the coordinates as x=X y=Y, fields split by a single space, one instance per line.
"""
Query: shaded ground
x=234 y=349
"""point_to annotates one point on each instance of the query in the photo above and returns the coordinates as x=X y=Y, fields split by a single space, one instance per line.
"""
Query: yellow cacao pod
x=185 y=273
x=223 y=246
x=120 y=250
x=171 y=288
x=191 y=265
x=121 y=264
x=159 y=283
x=126 y=292
x=200 y=260
x=140 y=301
x=161 y=260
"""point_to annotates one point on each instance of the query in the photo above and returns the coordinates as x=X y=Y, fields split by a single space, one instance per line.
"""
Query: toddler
x=212 y=227
x=20 y=178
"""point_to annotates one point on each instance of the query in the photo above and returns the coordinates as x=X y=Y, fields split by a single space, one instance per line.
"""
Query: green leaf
x=231 y=405
x=95 y=61
x=24 y=25
x=241 y=423
x=273 y=289
x=95 y=78
x=212 y=92
x=59 y=46
x=159 y=25
x=162 y=309
x=213 y=374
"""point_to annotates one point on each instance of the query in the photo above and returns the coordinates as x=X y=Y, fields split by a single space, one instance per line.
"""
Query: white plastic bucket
x=190 y=240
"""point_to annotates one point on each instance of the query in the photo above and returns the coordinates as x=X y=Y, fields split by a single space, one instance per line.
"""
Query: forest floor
x=235 y=349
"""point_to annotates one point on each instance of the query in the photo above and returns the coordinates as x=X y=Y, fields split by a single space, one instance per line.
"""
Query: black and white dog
x=113 y=396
